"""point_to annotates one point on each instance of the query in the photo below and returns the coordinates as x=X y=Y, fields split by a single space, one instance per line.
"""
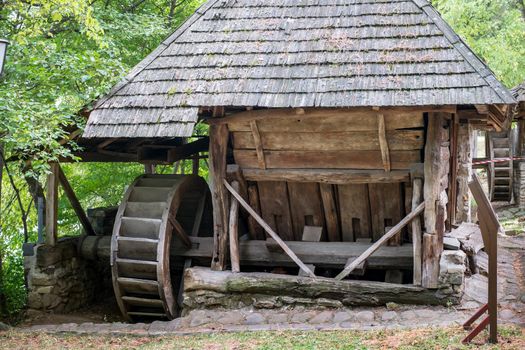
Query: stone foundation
x=58 y=279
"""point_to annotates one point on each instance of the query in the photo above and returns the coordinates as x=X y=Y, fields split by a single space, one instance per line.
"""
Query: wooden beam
x=52 y=205
x=75 y=203
x=395 y=230
x=328 y=176
x=383 y=143
x=271 y=232
x=268 y=253
x=369 y=160
x=219 y=136
x=258 y=144
x=417 y=237
x=432 y=168
x=179 y=230
x=321 y=112
x=234 y=232
x=189 y=149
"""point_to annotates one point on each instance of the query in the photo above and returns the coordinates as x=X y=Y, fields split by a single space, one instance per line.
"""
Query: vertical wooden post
x=52 y=205
x=218 y=150
x=432 y=190
x=195 y=165
x=75 y=203
x=464 y=173
x=234 y=231
x=453 y=185
x=149 y=168
x=417 y=237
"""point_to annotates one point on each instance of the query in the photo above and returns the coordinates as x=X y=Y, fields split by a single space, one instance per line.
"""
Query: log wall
x=301 y=167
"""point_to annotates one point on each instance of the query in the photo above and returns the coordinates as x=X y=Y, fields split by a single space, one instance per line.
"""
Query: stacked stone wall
x=58 y=279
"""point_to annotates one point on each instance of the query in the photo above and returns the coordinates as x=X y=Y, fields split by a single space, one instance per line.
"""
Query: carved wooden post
x=218 y=149
x=416 y=230
x=52 y=205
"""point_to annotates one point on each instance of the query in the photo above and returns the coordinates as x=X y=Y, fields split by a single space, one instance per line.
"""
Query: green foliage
x=494 y=29
x=63 y=55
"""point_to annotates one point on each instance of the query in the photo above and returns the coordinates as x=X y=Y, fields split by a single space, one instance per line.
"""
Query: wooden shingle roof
x=296 y=53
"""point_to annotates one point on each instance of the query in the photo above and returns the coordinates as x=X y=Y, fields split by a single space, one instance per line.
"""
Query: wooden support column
x=453 y=185
x=73 y=200
x=52 y=205
x=234 y=231
x=464 y=173
x=218 y=149
x=417 y=189
x=432 y=190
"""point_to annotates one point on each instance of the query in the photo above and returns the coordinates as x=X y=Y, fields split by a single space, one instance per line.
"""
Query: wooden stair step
x=137 y=285
x=149 y=194
x=137 y=248
x=150 y=210
x=137 y=268
x=157 y=182
x=136 y=301
x=140 y=227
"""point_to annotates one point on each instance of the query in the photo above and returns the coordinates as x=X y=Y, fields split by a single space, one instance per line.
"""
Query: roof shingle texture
x=296 y=53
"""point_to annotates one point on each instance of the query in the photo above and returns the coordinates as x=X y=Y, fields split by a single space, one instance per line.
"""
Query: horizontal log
x=256 y=253
x=324 y=159
x=346 y=113
x=350 y=293
x=398 y=140
x=329 y=176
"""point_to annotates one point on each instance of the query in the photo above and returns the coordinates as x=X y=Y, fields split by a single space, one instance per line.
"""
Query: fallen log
x=224 y=286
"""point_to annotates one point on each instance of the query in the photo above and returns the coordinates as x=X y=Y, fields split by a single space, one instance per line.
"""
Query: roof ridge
x=470 y=56
x=156 y=53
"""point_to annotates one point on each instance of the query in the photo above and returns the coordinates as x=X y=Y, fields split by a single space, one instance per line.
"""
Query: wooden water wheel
x=154 y=211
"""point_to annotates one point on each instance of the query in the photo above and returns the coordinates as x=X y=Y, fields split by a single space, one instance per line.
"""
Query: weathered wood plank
x=258 y=144
x=234 y=231
x=355 y=212
x=383 y=142
x=256 y=231
x=52 y=204
x=327 y=176
x=434 y=170
x=398 y=140
x=320 y=119
x=393 y=231
x=269 y=230
x=324 y=159
x=218 y=149
x=417 y=189
x=333 y=231
x=305 y=206
x=275 y=208
x=386 y=207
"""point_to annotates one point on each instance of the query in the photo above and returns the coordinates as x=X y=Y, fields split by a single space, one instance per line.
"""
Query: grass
x=420 y=339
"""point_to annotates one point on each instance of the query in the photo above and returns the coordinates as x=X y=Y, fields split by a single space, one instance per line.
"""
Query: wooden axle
x=263 y=253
